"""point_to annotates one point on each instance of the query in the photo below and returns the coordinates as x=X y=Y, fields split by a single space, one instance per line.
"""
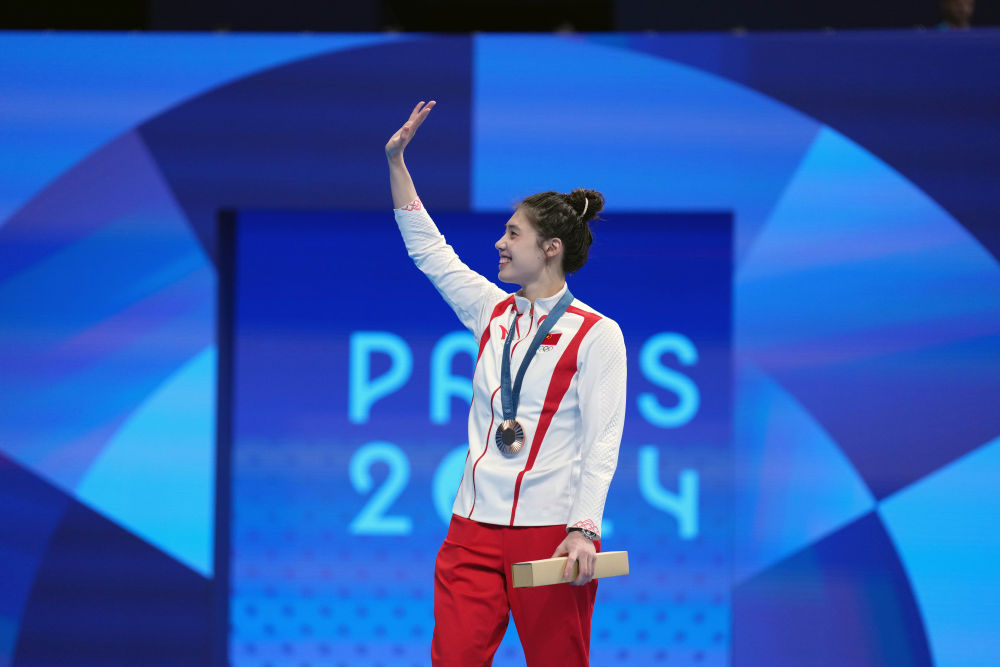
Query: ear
x=553 y=247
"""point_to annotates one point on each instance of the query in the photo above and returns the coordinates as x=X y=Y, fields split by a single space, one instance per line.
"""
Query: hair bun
x=586 y=203
x=557 y=215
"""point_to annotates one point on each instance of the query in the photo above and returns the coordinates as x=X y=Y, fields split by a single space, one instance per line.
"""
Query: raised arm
x=403 y=190
x=469 y=294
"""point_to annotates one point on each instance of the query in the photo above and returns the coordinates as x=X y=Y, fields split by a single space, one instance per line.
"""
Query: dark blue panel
x=31 y=510
x=104 y=597
x=918 y=103
x=842 y=601
x=311 y=134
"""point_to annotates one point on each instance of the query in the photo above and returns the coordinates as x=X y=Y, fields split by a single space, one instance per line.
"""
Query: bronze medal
x=509 y=437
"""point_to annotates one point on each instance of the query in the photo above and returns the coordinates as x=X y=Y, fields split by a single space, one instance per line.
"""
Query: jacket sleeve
x=602 y=409
x=468 y=293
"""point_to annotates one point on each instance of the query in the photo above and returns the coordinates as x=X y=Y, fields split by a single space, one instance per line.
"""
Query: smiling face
x=522 y=260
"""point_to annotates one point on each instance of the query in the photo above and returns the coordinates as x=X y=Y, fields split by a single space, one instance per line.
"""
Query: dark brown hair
x=566 y=217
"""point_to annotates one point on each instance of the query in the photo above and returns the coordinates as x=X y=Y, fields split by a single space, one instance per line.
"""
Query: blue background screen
x=351 y=381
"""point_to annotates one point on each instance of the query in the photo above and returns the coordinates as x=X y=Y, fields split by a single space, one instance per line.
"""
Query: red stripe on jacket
x=498 y=310
x=558 y=386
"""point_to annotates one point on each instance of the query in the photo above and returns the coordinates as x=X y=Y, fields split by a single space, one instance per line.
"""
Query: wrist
x=589 y=534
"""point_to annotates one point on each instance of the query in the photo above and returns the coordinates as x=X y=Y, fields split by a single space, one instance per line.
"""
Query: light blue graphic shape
x=856 y=260
x=95 y=326
x=62 y=95
x=945 y=529
x=649 y=133
x=792 y=483
x=156 y=476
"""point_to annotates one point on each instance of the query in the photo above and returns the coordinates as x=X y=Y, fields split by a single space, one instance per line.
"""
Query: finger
x=586 y=571
x=419 y=120
x=420 y=108
x=568 y=570
x=587 y=565
x=417 y=110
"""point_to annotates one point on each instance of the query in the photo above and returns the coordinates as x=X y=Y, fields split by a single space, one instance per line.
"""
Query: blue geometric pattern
x=793 y=485
x=663 y=137
x=32 y=511
x=866 y=319
x=67 y=95
x=117 y=304
x=102 y=596
x=867 y=86
x=944 y=528
x=154 y=477
x=300 y=144
x=843 y=600
x=861 y=286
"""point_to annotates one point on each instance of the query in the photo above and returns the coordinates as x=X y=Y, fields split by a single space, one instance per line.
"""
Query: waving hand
x=394 y=147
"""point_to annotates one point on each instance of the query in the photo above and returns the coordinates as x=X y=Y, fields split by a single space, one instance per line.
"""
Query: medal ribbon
x=509 y=397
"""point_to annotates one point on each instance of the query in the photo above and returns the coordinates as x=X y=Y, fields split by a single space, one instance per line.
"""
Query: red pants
x=474 y=592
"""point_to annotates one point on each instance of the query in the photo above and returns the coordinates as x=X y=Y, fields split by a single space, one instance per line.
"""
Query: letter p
x=365 y=390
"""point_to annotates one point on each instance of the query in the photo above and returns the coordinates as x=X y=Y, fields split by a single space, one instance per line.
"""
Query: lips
x=504 y=260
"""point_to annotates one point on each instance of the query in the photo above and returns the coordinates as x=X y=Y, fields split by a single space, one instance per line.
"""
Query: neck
x=545 y=286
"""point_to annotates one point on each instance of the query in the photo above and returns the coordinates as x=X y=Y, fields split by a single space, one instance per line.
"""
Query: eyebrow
x=512 y=225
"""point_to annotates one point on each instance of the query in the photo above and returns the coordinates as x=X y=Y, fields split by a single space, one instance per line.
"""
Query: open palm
x=394 y=147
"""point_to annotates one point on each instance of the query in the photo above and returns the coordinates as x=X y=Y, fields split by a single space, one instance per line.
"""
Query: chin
x=506 y=279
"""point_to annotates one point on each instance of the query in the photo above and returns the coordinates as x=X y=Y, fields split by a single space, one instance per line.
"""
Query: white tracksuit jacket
x=572 y=403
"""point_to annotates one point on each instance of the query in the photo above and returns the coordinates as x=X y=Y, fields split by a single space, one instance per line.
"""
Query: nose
x=500 y=242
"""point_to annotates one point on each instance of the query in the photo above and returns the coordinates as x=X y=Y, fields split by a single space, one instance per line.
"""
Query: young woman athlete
x=544 y=427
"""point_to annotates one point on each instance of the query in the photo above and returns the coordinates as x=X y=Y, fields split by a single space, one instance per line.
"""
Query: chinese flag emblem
x=551 y=339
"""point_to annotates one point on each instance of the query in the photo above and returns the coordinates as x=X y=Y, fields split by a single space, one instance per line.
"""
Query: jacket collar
x=543 y=306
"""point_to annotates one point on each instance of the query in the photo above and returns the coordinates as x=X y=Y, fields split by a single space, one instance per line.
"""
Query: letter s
x=688 y=396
